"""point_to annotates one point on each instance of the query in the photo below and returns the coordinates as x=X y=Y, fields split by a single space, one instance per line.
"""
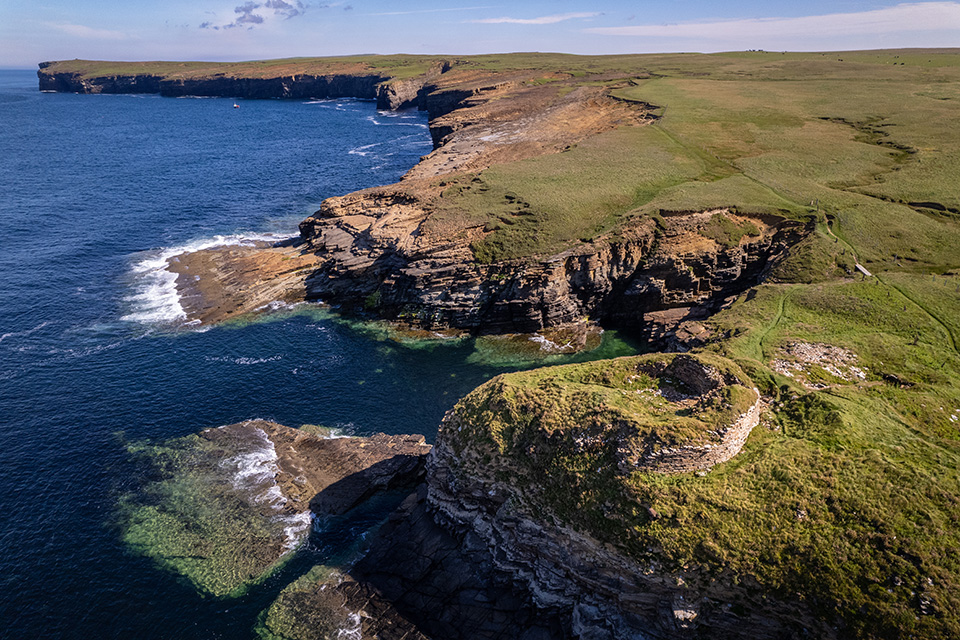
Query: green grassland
x=763 y=133
x=859 y=135
x=397 y=67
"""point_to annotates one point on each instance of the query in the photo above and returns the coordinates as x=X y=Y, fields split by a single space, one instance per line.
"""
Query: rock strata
x=373 y=253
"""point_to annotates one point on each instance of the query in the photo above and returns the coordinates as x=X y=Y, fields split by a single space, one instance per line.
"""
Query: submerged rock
x=327 y=604
x=226 y=506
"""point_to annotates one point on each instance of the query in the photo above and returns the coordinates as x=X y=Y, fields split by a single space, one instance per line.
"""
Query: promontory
x=782 y=228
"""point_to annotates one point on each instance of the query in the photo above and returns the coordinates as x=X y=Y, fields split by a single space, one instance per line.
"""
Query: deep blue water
x=91 y=189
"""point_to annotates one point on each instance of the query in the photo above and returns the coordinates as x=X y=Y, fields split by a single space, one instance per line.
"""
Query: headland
x=793 y=474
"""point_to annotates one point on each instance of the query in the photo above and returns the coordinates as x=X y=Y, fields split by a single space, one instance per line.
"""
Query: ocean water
x=95 y=193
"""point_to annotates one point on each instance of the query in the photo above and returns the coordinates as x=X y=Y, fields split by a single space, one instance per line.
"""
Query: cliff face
x=375 y=256
x=75 y=83
x=389 y=93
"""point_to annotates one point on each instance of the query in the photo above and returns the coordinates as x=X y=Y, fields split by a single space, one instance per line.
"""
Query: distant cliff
x=389 y=92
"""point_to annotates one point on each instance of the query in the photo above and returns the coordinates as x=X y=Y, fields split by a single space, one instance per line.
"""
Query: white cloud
x=89 y=33
x=560 y=17
x=417 y=11
x=911 y=17
x=252 y=14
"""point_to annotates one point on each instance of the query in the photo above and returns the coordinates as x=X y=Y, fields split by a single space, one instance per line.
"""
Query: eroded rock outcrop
x=368 y=252
x=524 y=527
x=375 y=255
x=224 y=507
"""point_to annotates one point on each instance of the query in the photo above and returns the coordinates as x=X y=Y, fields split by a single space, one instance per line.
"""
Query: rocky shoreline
x=386 y=252
x=472 y=553
x=468 y=555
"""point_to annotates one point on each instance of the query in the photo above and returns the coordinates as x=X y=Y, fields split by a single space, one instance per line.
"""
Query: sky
x=32 y=31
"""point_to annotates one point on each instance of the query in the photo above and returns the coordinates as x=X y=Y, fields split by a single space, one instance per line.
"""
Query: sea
x=96 y=193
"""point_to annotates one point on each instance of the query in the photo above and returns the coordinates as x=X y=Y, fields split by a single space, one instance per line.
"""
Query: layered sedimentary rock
x=389 y=93
x=374 y=255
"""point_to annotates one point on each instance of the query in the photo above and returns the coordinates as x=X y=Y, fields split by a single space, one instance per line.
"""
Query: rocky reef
x=225 y=507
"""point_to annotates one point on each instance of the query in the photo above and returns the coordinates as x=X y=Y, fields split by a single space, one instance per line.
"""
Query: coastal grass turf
x=399 y=67
x=860 y=137
x=855 y=486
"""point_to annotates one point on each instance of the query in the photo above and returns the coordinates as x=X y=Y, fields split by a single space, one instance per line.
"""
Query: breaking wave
x=155 y=299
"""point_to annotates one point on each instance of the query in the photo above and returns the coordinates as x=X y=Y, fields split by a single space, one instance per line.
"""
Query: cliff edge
x=785 y=217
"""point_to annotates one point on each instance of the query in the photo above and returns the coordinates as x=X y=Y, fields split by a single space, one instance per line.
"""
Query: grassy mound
x=574 y=438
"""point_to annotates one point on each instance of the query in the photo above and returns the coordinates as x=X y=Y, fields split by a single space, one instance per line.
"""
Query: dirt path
x=913 y=301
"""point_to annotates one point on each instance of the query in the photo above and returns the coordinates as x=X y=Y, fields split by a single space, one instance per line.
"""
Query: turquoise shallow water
x=95 y=191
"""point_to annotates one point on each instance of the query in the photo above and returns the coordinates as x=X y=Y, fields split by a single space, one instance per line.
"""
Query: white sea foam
x=254 y=473
x=156 y=300
x=23 y=334
x=256 y=467
x=353 y=630
x=297 y=525
x=545 y=343
x=278 y=305
x=328 y=104
x=243 y=360
x=364 y=150
x=272 y=496
x=374 y=120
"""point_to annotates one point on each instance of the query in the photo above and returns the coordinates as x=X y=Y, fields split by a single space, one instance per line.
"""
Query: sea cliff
x=389 y=93
x=793 y=476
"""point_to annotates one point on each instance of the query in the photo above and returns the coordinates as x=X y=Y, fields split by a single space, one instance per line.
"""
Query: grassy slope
x=765 y=133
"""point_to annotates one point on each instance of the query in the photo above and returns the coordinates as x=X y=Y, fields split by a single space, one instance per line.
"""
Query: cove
x=95 y=187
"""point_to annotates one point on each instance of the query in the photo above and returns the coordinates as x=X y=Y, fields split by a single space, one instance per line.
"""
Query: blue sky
x=36 y=30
